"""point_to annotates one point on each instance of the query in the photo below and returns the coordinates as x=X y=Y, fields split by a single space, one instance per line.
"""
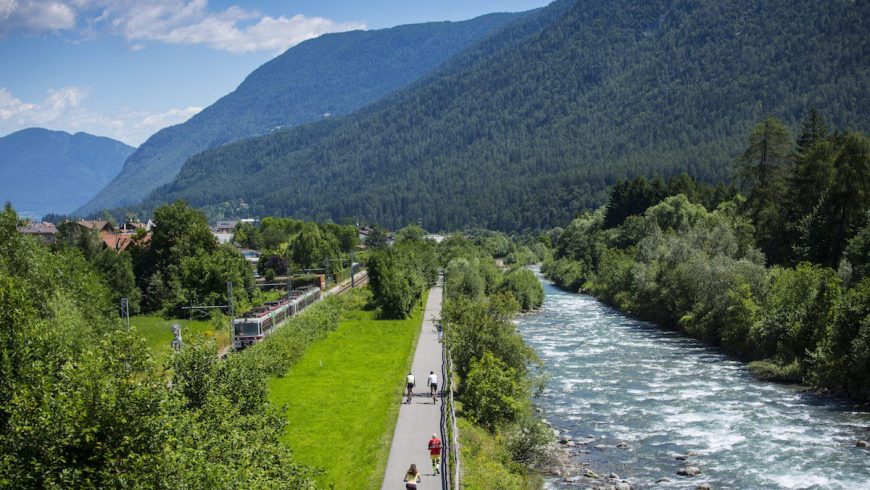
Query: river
x=622 y=380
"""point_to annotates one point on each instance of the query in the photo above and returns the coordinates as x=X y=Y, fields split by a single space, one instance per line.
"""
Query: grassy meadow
x=157 y=332
x=343 y=397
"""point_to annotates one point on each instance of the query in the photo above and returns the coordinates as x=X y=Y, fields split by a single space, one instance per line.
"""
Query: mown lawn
x=343 y=397
x=157 y=332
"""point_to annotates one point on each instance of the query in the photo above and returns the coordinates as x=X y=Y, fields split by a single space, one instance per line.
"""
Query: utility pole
x=232 y=312
x=125 y=312
x=352 y=280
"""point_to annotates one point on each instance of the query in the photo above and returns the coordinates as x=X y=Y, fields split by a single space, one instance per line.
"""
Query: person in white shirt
x=433 y=383
x=409 y=384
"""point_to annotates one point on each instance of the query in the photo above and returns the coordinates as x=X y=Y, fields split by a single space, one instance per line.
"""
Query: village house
x=44 y=231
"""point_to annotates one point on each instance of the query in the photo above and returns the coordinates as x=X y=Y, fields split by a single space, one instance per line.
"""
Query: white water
x=620 y=379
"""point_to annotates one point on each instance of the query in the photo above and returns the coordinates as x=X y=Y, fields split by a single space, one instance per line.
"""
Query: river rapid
x=618 y=379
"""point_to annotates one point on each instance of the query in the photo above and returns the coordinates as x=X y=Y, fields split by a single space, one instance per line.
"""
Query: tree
x=484 y=325
x=463 y=279
x=247 y=235
x=180 y=231
x=628 y=198
x=762 y=169
x=311 y=247
x=274 y=262
x=346 y=234
x=410 y=233
x=377 y=238
x=842 y=209
x=525 y=287
x=492 y=393
x=204 y=277
x=396 y=281
x=813 y=130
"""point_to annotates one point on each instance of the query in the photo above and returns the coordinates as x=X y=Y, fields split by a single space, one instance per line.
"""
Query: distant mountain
x=530 y=126
x=331 y=75
x=44 y=171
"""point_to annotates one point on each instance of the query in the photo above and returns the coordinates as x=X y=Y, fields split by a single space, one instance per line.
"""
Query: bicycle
x=433 y=388
x=410 y=393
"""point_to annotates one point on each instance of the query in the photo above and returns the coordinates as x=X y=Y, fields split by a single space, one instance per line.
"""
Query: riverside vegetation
x=779 y=277
x=503 y=441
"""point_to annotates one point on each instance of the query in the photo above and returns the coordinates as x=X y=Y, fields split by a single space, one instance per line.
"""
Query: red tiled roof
x=120 y=241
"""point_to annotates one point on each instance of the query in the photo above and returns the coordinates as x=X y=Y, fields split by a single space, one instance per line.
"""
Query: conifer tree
x=762 y=170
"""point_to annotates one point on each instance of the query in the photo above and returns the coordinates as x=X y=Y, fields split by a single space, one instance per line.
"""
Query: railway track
x=361 y=279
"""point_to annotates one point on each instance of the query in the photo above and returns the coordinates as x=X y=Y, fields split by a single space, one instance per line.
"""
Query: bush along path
x=421 y=418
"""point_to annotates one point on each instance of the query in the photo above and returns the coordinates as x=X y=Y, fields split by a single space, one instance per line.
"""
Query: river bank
x=644 y=403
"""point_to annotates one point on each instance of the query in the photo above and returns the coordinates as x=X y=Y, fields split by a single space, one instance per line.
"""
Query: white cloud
x=34 y=17
x=234 y=29
x=64 y=109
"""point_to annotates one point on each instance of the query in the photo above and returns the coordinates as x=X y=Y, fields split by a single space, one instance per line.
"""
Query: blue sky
x=126 y=68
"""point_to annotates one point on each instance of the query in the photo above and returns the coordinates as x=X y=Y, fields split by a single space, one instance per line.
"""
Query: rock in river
x=689 y=471
x=623 y=486
x=704 y=486
x=863 y=444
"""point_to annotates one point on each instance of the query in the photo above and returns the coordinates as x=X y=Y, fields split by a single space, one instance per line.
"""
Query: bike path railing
x=450 y=464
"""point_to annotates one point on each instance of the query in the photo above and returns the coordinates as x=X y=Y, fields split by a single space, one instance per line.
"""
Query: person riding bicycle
x=409 y=385
x=412 y=478
x=435 y=453
x=433 y=383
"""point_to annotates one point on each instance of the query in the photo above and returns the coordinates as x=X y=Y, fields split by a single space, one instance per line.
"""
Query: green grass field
x=343 y=397
x=156 y=331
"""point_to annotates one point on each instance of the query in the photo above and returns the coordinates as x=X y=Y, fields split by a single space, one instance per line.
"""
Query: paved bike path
x=421 y=418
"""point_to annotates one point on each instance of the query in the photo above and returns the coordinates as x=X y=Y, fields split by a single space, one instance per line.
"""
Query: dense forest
x=776 y=274
x=532 y=125
x=331 y=75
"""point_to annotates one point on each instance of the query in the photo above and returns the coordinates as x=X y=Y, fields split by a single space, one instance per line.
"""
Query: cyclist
x=409 y=385
x=433 y=385
x=412 y=477
x=435 y=453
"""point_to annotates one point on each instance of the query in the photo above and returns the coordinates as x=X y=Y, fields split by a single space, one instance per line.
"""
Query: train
x=259 y=322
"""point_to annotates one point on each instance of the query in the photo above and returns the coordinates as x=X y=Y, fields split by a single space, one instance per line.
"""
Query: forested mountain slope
x=43 y=171
x=331 y=75
x=532 y=125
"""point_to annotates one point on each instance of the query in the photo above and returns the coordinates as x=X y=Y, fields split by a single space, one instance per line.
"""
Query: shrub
x=774 y=371
x=493 y=393
x=525 y=287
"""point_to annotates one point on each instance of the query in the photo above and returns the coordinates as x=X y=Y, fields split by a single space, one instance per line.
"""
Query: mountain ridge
x=43 y=170
x=341 y=72
x=532 y=134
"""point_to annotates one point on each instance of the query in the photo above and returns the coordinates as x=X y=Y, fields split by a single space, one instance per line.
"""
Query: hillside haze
x=43 y=171
x=331 y=75
x=529 y=127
